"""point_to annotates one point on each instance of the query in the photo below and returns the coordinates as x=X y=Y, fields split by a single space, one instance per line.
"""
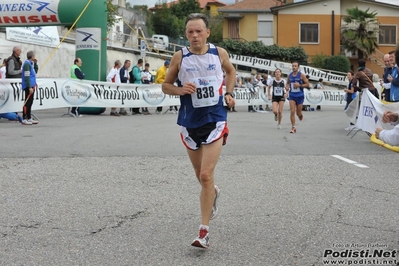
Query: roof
x=203 y=3
x=305 y=2
x=251 y=5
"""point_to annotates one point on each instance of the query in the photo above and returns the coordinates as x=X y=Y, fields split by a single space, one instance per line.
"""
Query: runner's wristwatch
x=229 y=93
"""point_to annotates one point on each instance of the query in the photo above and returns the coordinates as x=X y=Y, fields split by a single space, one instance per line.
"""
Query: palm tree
x=360 y=32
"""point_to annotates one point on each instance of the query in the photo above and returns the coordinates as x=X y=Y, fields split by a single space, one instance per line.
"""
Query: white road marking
x=350 y=161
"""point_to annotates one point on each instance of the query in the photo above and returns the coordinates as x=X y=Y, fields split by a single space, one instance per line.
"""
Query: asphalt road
x=102 y=190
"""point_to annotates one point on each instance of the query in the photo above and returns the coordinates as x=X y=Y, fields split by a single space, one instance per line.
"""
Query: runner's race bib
x=207 y=93
x=278 y=91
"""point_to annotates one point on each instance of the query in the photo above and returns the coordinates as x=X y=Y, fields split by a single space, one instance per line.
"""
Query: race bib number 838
x=207 y=92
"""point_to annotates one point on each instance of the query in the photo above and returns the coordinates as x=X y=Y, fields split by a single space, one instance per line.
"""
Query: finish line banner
x=58 y=93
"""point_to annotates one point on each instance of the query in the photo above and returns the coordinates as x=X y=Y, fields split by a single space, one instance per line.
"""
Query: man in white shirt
x=146 y=78
x=113 y=76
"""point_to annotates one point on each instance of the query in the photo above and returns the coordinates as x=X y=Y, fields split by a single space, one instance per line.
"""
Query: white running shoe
x=202 y=241
x=279 y=126
x=215 y=208
x=33 y=122
x=26 y=122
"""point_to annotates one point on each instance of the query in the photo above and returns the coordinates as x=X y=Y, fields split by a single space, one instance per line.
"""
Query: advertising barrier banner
x=270 y=65
x=45 y=36
x=57 y=93
x=371 y=111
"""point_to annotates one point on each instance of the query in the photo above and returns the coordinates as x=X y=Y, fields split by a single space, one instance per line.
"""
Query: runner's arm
x=230 y=76
x=229 y=69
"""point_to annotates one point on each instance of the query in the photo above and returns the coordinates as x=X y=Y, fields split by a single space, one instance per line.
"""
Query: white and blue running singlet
x=206 y=104
x=296 y=92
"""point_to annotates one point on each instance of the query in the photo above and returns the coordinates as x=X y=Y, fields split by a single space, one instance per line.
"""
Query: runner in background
x=296 y=81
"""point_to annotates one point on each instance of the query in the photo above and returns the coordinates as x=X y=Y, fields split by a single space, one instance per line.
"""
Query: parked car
x=160 y=42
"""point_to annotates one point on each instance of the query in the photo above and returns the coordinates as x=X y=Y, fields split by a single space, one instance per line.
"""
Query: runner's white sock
x=204 y=226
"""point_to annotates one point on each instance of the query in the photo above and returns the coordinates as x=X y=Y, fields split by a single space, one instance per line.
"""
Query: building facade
x=316 y=26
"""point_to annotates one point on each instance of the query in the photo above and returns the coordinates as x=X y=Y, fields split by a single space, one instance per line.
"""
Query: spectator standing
x=394 y=79
x=385 y=84
x=350 y=95
x=250 y=86
x=160 y=77
x=319 y=86
x=29 y=86
x=262 y=87
x=76 y=73
x=135 y=76
x=14 y=64
x=203 y=122
x=363 y=79
x=125 y=77
x=269 y=82
x=307 y=107
x=113 y=76
x=146 y=77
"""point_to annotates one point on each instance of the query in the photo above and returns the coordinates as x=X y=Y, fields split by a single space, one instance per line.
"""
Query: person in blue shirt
x=296 y=81
x=28 y=85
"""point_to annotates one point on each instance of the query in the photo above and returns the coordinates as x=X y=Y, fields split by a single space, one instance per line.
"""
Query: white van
x=160 y=42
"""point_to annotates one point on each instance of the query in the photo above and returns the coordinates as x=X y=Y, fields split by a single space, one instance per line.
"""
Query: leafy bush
x=319 y=60
x=338 y=63
x=259 y=49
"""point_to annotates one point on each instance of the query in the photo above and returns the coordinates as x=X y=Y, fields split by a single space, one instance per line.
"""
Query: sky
x=151 y=3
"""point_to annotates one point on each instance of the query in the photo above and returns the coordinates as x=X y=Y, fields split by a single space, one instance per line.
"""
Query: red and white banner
x=57 y=93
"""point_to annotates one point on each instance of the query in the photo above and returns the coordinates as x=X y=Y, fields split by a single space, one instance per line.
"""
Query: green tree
x=216 y=27
x=111 y=19
x=360 y=32
x=184 y=8
x=164 y=22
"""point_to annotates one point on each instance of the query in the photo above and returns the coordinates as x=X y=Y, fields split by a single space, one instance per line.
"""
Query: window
x=309 y=33
x=387 y=34
x=265 y=29
x=233 y=29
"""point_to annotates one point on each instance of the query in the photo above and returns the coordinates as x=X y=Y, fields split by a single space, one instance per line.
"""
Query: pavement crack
x=368 y=227
x=376 y=190
x=121 y=220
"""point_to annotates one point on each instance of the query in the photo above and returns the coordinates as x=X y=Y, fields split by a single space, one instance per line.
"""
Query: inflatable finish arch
x=91 y=29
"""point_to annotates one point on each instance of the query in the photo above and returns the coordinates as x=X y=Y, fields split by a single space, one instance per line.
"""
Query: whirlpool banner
x=57 y=93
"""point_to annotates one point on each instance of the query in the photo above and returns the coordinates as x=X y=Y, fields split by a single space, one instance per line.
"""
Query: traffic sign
x=143 y=45
x=143 y=48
